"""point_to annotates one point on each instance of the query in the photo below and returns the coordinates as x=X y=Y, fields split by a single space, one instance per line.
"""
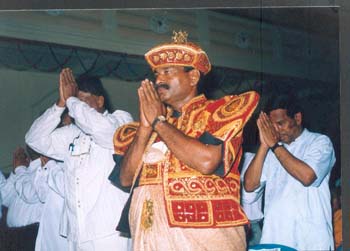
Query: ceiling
x=322 y=21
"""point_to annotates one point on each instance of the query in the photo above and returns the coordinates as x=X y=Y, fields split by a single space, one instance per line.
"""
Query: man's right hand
x=20 y=158
x=143 y=121
x=150 y=104
x=67 y=86
x=261 y=133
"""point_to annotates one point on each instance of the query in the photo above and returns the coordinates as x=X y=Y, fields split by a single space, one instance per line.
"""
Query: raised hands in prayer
x=67 y=86
x=150 y=104
x=268 y=134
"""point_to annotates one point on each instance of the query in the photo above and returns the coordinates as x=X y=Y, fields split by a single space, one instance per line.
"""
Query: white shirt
x=251 y=202
x=92 y=204
x=297 y=216
x=38 y=190
x=2 y=183
x=20 y=213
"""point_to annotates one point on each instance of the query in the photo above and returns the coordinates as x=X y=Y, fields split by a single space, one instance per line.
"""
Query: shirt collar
x=300 y=138
x=302 y=135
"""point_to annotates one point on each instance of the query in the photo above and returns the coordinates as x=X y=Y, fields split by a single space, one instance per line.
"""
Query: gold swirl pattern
x=229 y=129
x=233 y=184
x=123 y=137
x=199 y=186
x=236 y=106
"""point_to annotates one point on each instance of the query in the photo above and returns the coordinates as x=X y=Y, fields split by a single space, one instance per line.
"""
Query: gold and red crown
x=178 y=53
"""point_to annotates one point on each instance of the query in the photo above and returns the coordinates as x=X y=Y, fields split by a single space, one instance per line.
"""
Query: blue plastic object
x=270 y=246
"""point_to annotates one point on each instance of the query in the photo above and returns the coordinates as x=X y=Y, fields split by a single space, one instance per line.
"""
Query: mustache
x=161 y=85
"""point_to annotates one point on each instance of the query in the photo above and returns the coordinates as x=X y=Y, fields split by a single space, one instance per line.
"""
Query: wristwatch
x=273 y=148
x=160 y=118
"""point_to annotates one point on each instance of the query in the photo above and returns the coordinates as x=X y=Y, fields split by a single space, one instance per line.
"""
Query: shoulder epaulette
x=236 y=109
x=123 y=137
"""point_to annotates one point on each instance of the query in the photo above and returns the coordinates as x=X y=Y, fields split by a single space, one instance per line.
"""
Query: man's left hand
x=20 y=158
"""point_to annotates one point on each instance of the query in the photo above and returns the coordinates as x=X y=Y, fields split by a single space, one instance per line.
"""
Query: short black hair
x=93 y=85
x=288 y=102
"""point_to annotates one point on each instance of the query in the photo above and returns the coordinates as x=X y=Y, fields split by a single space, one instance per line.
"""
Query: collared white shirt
x=20 y=213
x=92 y=204
x=38 y=189
x=294 y=215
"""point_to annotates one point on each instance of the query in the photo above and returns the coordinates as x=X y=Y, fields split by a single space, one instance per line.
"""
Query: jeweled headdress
x=179 y=53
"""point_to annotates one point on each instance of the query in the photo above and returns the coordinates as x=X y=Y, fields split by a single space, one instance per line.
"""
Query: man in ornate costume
x=182 y=157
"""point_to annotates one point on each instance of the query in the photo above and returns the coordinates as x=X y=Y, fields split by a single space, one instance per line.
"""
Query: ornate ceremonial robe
x=193 y=199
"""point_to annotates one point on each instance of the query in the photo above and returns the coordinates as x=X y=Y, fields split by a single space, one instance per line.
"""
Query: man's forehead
x=278 y=114
x=170 y=67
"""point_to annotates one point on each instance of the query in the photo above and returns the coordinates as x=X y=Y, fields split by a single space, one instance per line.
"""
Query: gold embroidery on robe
x=147 y=215
x=191 y=198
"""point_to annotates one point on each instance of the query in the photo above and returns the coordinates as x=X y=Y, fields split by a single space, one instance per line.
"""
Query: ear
x=100 y=101
x=194 y=76
x=298 y=117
